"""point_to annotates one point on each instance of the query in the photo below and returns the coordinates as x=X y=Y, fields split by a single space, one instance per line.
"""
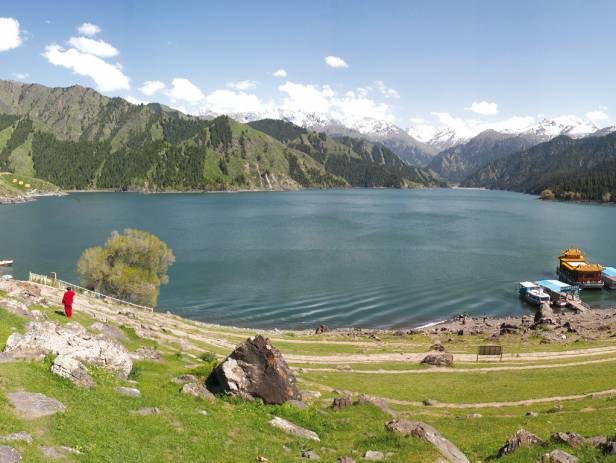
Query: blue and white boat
x=609 y=277
x=560 y=293
x=533 y=293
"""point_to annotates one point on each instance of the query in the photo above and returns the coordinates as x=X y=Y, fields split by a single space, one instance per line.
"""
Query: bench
x=490 y=350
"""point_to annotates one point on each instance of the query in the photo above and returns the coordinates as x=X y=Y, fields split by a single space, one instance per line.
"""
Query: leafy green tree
x=131 y=266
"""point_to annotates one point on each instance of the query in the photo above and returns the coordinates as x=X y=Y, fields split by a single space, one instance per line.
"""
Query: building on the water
x=609 y=277
x=575 y=270
x=560 y=293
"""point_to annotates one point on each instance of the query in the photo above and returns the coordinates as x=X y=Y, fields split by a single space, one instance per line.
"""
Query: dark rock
x=570 y=438
x=508 y=328
x=426 y=432
x=322 y=329
x=255 y=369
x=521 y=438
x=345 y=460
x=438 y=347
x=558 y=456
x=341 y=402
x=310 y=455
x=441 y=359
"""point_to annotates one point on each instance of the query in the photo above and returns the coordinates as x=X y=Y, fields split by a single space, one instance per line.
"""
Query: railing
x=57 y=283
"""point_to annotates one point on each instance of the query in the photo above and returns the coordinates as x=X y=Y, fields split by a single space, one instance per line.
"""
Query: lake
x=366 y=258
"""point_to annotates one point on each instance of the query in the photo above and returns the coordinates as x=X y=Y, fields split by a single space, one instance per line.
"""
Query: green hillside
x=77 y=138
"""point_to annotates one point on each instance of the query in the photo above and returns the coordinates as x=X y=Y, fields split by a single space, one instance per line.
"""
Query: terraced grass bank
x=567 y=383
x=20 y=188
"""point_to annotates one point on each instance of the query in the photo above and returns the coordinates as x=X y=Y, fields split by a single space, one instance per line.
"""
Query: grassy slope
x=8 y=188
x=240 y=430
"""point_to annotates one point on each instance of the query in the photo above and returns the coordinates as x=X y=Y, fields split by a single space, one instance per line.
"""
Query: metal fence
x=57 y=283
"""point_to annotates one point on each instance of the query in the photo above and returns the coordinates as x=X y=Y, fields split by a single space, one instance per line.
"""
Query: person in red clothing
x=67 y=300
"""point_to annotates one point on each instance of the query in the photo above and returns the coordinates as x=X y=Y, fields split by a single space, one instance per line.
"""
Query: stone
x=508 y=328
x=377 y=402
x=146 y=411
x=373 y=455
x=572 y=439
x=297 y=404
x=345 y=460
x=311 y=395
x=427 y=433
x=341 y=402
x=544 y=316
x=322 y=329
x=52 y=452
x=558 y=456
x=430 y=402
x=255 y=369
x=474 y=416
x=440 y=359
x=597 y=441
x=73 y=370
x=17 y=436
x=310 y=455
x=522 y=438
x=147 y=353
x=198 y=390
x=71 y=340
x=437 y=347
x=294 y=429
x=128 y=391
x=31 y=405
x=532 y=414
x=110 y=331
x=203 y=412
x=9 y=455
x=183 y=379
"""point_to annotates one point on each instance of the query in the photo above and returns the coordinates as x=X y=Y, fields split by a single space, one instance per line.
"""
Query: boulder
x=572 y=439
x=341 y=402
x=544 y=315
x=255 y=369
x=597 y=441
x=373 y=455
x=310 y=455
x=294 y=429
x=522 y=438
x=558 y=456
x=345 y=460
x=71 y=340
x=128 y=391
x=427 y=433
x=198 y=390
x=440 y=359
x=31 y=405
x=9 y=455
x=73 y=370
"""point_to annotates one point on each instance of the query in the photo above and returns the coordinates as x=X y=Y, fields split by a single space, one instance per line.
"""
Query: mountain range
x=77 y=138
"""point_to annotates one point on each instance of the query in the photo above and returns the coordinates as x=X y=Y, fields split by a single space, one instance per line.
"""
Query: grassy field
x=102 y=426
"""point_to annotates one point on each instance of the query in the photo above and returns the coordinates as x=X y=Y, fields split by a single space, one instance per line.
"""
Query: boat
x=533 y=293
x=609 y=277
x=6 y=263
x=560 y=293
x=575 y=270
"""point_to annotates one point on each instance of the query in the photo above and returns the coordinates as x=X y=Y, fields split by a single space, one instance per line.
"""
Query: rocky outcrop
x=572 y=439
x=255 y=369
x=439 y=359
x=522 y=438
x=73 y=344
x=558 y=456
x=32 y=405
x=427 y=433
x=294 y=429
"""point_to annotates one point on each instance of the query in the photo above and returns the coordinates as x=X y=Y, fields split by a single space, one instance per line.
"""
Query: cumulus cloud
x=280 y=73
x=134 y=100
x=386 y=91
x=151 y=87
x=21 y=75
x=486 y=108
x=93 y=47
x=242 y=84
x=9 y=34
x=231 y=102
x=335 y=62
x=89 y=29
x=184 y=90
x=108 y=77
x=598 y=115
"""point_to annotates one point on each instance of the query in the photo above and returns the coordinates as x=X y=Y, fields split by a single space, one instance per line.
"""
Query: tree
x=131 y=266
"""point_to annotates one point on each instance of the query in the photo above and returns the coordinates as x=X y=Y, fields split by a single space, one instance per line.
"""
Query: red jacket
x=68 y=298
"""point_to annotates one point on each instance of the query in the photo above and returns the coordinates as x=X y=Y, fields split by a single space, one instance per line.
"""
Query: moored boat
x=575 y=270
x=533 y=293
x=560 y=293
x=6 y=263
x=609 y=277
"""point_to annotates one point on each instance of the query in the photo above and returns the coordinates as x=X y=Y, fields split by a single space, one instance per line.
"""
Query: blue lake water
x=370 y=258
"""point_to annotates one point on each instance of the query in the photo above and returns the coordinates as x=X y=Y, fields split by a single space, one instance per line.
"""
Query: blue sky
x=409 y=62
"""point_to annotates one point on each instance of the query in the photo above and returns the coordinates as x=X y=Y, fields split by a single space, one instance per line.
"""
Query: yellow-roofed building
x=574 y=269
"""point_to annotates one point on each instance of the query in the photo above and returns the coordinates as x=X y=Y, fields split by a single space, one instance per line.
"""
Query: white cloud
x=280 y=73
x=307 y=98
x=231 y=102
x=9 y=34
x=597 y=115
x=88 y=29
x=151 y=87
x=242 y=84
x=417 y=120
x=21 y=75
x=93 y=47
x=134 y=100
x=386 y=91
x=335 y=62
x=486 y=108
x=108 y=77
x=183 y=89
